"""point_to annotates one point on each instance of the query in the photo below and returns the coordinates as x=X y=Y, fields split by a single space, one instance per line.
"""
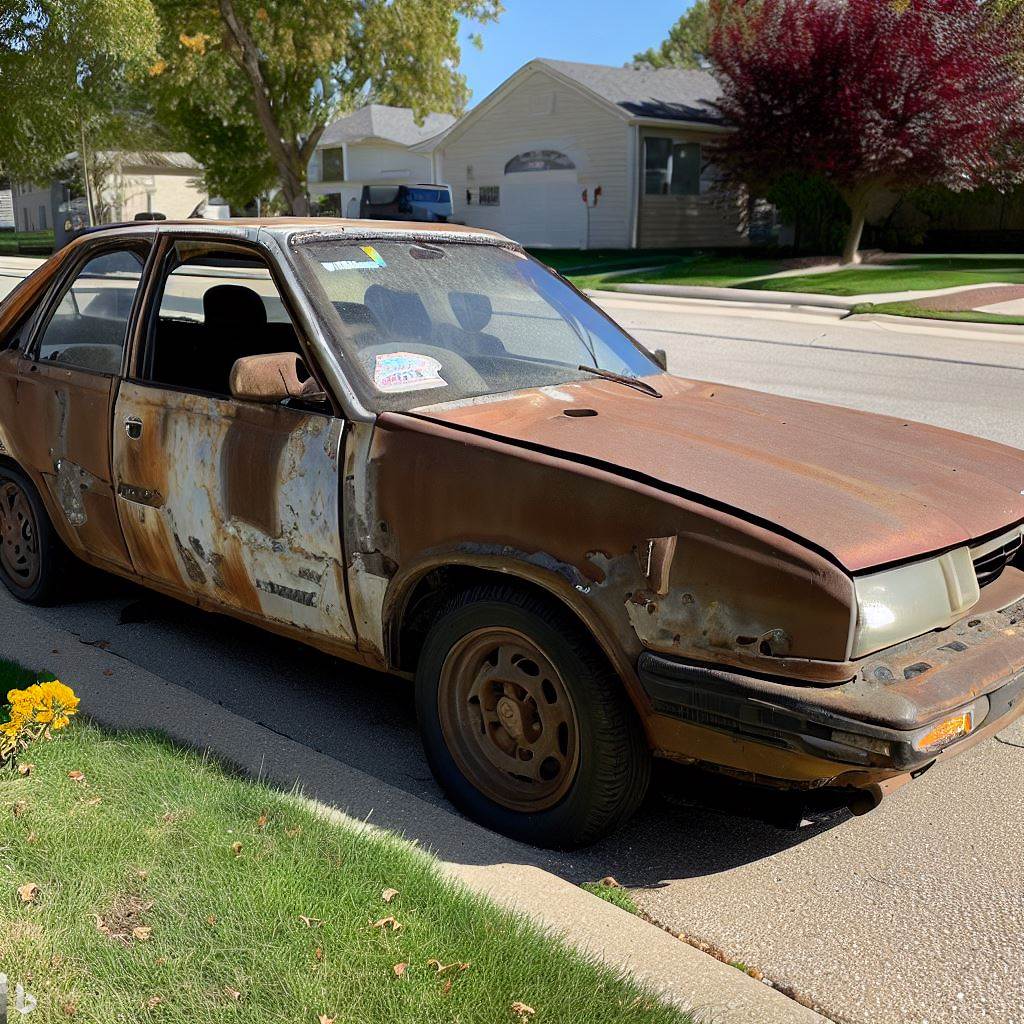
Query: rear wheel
x=525 y=725
x=31 y=554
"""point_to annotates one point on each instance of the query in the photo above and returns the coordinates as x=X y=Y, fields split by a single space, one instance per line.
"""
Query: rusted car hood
x=869 y=489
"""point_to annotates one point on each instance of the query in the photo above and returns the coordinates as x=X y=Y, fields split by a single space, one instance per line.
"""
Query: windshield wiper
x=621 y=378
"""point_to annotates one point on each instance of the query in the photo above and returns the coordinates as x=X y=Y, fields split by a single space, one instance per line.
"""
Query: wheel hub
x=19 y=554
x=508 y=719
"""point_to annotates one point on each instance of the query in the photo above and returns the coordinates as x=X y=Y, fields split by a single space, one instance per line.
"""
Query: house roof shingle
x=674 y=94
x=392 y=124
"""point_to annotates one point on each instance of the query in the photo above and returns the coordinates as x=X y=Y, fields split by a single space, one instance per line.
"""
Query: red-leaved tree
x=871 y=94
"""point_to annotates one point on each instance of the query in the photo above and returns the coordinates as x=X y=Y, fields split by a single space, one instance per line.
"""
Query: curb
x=119 y=694
x=745 y=295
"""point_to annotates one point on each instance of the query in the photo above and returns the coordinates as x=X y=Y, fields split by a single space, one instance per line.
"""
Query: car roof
x=284 y=226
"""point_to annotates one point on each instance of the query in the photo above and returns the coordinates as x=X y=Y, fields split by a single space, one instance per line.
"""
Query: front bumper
x=856 y=732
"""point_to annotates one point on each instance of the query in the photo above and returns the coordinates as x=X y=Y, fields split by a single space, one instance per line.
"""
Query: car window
x=87 y=329
x=214 y=309
x=428 y=323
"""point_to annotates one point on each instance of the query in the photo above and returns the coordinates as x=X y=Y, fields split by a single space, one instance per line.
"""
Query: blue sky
x=594 y=31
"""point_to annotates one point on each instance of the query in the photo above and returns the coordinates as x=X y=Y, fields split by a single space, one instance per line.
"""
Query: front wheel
x=525 y=726
x=31 y=553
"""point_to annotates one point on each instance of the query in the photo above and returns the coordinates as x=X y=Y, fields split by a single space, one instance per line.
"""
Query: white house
x=371 y=147
x=132 y=182
x=635 y=138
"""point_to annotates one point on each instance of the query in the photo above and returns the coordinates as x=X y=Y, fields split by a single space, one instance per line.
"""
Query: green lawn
x=594 y=261
x=172 y=890
x=962 y=316
x=712 y=271
x=32 y=243
x=904 y=275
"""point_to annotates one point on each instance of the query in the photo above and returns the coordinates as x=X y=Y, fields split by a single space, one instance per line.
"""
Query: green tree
x=687 y=43
x=250 y=85
x=68 y=70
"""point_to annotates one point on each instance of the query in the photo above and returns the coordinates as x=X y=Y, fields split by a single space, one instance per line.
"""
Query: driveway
x=914 y=913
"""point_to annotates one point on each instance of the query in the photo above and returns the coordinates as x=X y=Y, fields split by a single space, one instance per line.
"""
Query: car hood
x=869 y=489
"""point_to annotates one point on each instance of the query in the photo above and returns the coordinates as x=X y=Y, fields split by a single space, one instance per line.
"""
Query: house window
x=490 y=195
x=539 y=160
x=671 y=168
x=333 y=166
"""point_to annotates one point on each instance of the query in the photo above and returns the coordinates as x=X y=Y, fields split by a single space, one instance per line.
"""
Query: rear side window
x=87 y=329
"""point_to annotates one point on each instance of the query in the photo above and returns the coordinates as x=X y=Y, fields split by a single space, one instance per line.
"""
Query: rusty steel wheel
x=525 y=725
x=31 y=554
x=508 y=719
x=19 y=537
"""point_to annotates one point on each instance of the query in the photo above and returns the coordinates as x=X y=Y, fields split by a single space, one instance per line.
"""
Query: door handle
x=133 y=427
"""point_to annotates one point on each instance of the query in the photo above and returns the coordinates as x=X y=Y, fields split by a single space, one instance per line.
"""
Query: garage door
x=543 y=209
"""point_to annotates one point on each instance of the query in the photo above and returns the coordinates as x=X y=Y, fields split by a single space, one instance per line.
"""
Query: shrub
x=32 y=714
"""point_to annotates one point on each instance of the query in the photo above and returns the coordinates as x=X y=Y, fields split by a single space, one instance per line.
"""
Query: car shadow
x=692 y=824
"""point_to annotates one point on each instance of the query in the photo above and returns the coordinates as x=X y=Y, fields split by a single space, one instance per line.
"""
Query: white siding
x=542 y=113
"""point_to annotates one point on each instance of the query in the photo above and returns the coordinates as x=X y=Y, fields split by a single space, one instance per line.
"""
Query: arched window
x=539 y=160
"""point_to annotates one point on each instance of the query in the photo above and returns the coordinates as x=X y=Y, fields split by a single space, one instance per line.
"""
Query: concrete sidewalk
x=118 y=694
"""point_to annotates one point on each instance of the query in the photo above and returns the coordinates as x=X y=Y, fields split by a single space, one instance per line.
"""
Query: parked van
x=406 y=202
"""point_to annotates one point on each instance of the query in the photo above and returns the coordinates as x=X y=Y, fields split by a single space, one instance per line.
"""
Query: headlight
x=899 y=604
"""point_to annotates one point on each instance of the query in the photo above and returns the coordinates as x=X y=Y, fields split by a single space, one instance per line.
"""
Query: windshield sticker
x=375 y=262
x=407 y=371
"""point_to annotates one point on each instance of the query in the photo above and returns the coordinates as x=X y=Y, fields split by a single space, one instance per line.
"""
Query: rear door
x=66 y=379
x=234 y=502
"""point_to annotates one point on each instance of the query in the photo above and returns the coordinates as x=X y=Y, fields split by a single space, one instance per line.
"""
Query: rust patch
x=191 y=563
x=251 y=468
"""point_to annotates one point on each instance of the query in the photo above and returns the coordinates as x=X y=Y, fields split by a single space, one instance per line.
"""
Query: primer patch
x=375 y=261
x=407 y=371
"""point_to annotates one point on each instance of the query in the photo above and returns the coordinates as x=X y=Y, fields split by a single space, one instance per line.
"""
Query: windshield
x=428 y=323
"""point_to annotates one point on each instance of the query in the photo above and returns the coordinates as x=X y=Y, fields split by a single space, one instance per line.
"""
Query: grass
x=711 y=271
x=960 y=316
x=613 y=894
x=251 y=907
x=595 y=261
x=903 y=275
x=14 y=243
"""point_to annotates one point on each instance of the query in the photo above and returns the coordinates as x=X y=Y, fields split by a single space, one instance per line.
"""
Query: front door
x=65 y=382
x=236 y=503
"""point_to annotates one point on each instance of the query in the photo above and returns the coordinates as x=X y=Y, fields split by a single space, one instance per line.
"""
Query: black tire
x=612 y=762
x=40 y=540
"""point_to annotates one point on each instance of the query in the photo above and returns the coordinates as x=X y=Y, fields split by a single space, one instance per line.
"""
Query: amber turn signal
x=945 y=732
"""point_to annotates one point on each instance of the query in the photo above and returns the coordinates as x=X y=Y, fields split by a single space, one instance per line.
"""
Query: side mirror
x=274 y=378
x=661 y=358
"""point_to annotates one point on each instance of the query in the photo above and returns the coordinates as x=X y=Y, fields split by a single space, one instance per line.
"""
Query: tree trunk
x=289 y=157
x=858 y=201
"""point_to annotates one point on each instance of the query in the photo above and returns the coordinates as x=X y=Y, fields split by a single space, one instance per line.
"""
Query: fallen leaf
x=233 y=992
x=25 y=769
x=101 y=925
x=387 y=922
x=28 y=892
x=211 y=920
x=400 y=969
x=236 y=849
x=388 y=895
x=318 y=954
x=152 y=1003
x=310 y=922
x=261 y=821
x=522 y=1011
x=291 y=833
x=609 y=883
x=142 y=933
x=32 y=837
x=446 y=987
x=441 y=968
x=324 y=1019
x=69 y=1009
x=77 y=776
x=19 y=808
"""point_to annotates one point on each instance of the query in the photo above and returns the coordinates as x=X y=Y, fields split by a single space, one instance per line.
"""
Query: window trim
x=142 y=335
x=46 y=308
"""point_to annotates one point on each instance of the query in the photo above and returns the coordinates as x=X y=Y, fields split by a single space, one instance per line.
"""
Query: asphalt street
x=914 y=913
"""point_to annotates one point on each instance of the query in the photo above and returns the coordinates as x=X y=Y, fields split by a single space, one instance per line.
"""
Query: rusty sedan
x=418 y=449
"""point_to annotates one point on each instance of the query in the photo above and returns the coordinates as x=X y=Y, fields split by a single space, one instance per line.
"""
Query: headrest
x=231 y=305
x=400 y=314
x=471 y=309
